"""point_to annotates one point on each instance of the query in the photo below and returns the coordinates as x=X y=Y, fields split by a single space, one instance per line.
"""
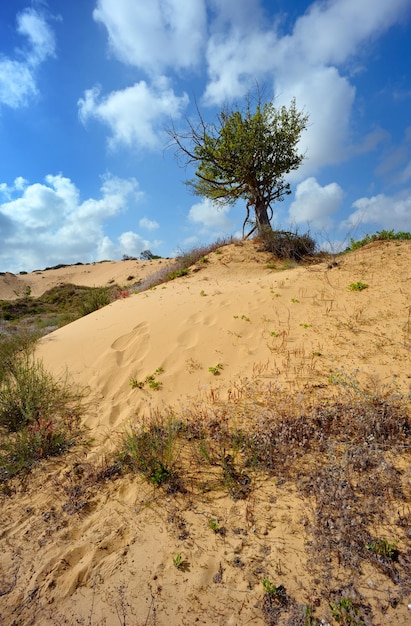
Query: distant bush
x=147 y=255
x=95 y=300
x=380 y=235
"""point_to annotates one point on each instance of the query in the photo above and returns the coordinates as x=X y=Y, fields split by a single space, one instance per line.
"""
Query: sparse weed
x=359 y=286
x=383 y=548
x=149 y=380
x=346 y=612
x=136 y=384
x=178 y=560
x=270 y=589
x=153 y=449
x=39 y=415
x=177 y=274
x=155 y=384
x=214 y=524
x=216 y=369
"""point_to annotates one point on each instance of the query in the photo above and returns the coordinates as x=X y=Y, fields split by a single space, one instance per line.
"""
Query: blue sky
x=88 y=87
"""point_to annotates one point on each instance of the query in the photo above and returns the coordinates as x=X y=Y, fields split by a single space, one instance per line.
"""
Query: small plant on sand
x=153 y=449
x=178 y=560
x=216 y=369
x=271 y=590
x=384 y=549
x=149 y=380
x=346 y=613
x=136 y=384
x=359 y=286
x=155 y=384
x=214 y=524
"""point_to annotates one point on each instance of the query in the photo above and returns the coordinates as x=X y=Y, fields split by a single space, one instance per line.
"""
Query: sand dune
x=112 y=563
x=102 y=274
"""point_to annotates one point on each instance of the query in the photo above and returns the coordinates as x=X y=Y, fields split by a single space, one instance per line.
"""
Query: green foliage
x=178 y=560
x=95 y=300
x=269 y=588
x=149 y=380
x=38 y=414
x=359 y=286
x=380 y=235
x=383 y=548
x=177 y=274
x=56 y=307
x=215 y=370
x=214 y=524
x=244 y=155
x=345 y=612
x=152 y=449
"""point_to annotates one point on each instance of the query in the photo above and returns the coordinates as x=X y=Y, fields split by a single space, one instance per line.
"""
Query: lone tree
x=245 y=154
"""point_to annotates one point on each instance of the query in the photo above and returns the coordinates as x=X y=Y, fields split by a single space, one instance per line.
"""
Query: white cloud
x=210 y=217
x=234 y=61
x=382 y=211
x=331 y=32
x=315 y=205
x=18 y=75
x=135 y=115
x=48 y=223
x=148 y=224
x=154 y=35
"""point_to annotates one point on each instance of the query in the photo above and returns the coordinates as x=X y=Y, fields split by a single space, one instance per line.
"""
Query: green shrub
x=28 y=393
x=95 y=300
x=153 y=450
x=39 y=415
x=380 y=235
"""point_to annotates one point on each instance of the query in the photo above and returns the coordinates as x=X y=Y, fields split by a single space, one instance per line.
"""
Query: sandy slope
x=113 y=561
x=100 y=274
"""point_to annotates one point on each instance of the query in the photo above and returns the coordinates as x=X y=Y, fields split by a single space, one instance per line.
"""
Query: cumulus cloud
x=47 y=223
x=154 y=36
x=18 y=75
x=210 y=218
x=382 y=211
x=148 y=224
x=135 y=115
x=315 y=205
x=234 y=61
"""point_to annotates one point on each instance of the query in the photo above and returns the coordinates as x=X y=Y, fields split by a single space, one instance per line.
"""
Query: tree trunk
x=261 y=216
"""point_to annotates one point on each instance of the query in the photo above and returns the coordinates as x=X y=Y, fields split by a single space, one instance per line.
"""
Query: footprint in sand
x=139 y=338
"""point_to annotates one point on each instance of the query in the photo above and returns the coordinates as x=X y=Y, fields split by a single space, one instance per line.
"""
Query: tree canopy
x=244 y=154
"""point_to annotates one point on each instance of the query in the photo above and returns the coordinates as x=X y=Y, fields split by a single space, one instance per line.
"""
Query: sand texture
x=111 y=561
